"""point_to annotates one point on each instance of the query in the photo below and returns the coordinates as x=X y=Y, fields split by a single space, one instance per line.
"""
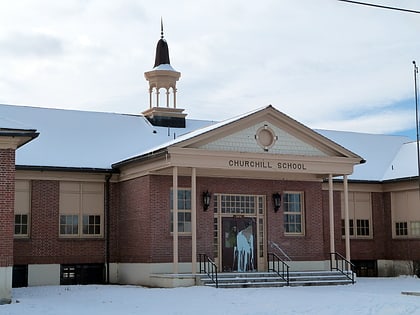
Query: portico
x=241 y=175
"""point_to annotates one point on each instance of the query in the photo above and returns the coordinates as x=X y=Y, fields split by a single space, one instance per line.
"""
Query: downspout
x=107 y=223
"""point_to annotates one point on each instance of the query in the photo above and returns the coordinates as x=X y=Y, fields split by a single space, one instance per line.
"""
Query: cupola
x=162 y=78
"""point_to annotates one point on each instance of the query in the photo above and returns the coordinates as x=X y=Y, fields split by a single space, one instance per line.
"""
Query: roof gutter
x=403 y=179
x=387 y=181
x=141 y=158
x=66 y=169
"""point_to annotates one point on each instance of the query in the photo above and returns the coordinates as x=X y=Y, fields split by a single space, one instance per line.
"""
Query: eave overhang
x=15 y=138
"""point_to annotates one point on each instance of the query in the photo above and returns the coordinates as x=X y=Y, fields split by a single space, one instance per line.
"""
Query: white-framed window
x=407 y=229
x=69 y=224
x=351 y=227
x=22 y=208
x=91 y=224
x=360 y=215
x=21 y=225
x=415 y=228
x=184 y=210
x=405 y=214
x=401 y=228
x=81 y=209
x=293 y=214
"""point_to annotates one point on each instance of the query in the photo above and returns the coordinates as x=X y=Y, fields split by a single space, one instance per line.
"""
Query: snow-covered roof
x=191 y=134
x=164 y=66
x=98 y=140
x=379 y=152
x=82 y=139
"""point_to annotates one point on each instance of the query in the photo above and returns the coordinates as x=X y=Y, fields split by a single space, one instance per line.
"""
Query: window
x=407 y=229
x=401 y=228
x=81 y=209
x=238 y=204
x=351 y=225
x=184 y=210
x=68 y=275
x=92 y=224
x=360 y=215
x=82 y=274
x=362 y=227
x=21 y=224
x=405 y=214
x=69 y=224
x=415 y=228
x=293 y=213
x=22 y=208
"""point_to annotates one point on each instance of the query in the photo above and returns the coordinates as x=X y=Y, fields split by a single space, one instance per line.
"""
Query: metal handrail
x=209 y=267
x=277 y=246
x=343 y=265
x=276 y=261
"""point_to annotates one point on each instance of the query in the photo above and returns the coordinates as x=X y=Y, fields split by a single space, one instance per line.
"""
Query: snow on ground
x=368 y=296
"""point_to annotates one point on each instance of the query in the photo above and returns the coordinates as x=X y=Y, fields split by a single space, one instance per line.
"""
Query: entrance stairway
x=272 y=279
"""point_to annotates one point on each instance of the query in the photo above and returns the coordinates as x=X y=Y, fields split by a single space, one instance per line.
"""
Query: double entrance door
x=239 y=244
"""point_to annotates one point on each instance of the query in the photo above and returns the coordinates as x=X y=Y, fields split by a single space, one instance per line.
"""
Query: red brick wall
x=7 y=199
x=360 y=249
x=113 y=229
x=145 y=218
x=398 y=249
x=382 y=245
x=140 y=223
x=374 y=248
x=44 y=245
x=134 y=221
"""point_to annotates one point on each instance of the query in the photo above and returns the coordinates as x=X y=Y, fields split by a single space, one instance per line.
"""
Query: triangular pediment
x=263 y=137
x=266 y=131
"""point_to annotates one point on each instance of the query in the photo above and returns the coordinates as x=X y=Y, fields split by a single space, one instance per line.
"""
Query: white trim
x=194 y=218
x=331 y=212
x=346 y=217
x=5 y=285
x=175 y=218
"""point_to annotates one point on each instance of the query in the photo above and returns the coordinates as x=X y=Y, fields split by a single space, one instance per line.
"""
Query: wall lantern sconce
x=277 y=201
x=206 y=200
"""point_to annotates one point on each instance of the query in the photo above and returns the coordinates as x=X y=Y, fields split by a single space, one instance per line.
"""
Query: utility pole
x=416 y=72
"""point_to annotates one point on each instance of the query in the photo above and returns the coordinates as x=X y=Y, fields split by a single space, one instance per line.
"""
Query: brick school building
x=93 y=197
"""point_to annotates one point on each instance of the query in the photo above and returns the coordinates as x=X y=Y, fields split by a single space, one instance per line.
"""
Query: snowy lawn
x=368 y=296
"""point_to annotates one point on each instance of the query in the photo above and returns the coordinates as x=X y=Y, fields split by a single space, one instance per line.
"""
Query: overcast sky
x=326 y=63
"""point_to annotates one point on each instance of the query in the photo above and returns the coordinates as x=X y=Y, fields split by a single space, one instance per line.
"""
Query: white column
x=346 y=217
x=175 y=217
x=157 y=97
x=150 y=97
x=167 y=98
x=194 y=220
x=331 y=208
x=174 y=91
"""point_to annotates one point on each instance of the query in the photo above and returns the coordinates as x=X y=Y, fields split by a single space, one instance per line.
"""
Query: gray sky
x=326 y=63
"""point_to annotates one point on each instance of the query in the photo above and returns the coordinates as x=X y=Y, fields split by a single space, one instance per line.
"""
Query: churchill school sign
x=230 y=161
x=262 y=164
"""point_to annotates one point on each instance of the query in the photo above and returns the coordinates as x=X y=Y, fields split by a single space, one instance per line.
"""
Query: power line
x=381 y=6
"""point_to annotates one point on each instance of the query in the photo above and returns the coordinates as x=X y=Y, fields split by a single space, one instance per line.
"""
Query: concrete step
x=271 y=279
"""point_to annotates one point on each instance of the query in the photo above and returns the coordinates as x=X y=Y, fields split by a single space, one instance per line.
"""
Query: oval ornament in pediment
x=266 y=138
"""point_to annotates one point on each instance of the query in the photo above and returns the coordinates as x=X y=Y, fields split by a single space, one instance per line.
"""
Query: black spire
x=162 y=50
